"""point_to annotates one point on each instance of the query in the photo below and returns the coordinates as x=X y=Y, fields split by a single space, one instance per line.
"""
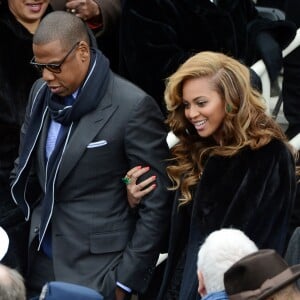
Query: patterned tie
x=54 y=130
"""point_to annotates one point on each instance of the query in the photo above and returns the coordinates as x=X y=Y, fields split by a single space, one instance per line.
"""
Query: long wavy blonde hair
x=246 y=123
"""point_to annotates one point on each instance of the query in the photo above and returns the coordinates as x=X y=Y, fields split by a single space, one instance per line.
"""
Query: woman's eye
x=201 y=103
x=185 y=104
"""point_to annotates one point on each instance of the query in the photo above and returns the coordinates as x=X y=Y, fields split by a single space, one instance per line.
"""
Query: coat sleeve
x=145 y=145
x=111 y=13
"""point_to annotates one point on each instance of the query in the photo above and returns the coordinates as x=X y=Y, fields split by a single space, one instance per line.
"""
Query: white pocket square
x=97 y=144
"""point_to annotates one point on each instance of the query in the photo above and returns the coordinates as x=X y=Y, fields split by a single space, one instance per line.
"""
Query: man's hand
x=85 y=9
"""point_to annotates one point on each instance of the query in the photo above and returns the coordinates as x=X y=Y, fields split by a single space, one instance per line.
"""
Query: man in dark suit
x=84 y=128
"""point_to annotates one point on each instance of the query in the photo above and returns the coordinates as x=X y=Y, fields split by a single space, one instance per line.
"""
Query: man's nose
x=47 y=75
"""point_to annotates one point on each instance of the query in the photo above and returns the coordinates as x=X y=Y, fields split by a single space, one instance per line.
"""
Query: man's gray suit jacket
x=97 y=239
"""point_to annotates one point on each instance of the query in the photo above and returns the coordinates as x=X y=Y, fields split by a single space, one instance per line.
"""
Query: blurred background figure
x=103 y=18
x=291 y=76
x=157 y=36
x=291 y=70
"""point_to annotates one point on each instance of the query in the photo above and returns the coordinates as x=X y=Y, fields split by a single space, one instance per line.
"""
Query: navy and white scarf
x=91 y=93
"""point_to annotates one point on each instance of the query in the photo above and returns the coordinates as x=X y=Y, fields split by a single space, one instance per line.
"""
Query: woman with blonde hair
x=232 y=167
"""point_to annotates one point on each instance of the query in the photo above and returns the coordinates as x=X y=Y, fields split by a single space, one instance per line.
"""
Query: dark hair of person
x=74 y=29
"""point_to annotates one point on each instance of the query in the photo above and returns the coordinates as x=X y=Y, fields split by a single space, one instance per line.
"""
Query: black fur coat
x=253 y=191
x=157 y=36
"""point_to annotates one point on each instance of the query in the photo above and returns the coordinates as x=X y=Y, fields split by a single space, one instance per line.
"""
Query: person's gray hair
x=63 y=26
x=11 y=284
x=221 y=249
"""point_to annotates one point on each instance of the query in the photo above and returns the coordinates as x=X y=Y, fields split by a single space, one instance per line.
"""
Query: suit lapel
x=41 y=150
x=86 y=130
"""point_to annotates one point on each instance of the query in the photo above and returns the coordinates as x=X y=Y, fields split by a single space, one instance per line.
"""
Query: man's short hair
x=221 y=249
x=11 y=284
x=62 y=26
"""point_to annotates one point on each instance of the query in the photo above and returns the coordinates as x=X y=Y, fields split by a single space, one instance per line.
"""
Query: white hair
x=221 y=249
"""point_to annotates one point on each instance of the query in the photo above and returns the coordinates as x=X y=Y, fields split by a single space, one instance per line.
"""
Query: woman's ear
x=201 y=286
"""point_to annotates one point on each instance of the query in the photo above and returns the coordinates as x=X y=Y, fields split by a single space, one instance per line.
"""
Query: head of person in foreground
x=262 y=275
x=221 y=249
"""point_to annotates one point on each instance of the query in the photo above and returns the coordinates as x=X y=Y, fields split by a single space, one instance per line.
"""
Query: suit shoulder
x=128 y=92
x=120 y=81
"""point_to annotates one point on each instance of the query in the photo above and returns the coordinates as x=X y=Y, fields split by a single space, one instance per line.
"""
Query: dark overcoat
x=253 y=191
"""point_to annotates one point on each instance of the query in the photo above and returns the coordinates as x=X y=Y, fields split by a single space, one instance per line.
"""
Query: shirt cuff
x=124 y=287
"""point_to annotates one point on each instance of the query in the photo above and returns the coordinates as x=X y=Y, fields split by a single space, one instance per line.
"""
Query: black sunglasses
x=54 y=68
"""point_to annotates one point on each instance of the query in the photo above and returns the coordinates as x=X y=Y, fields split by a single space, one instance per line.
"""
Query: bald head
x=62 y=26
x=11 y=284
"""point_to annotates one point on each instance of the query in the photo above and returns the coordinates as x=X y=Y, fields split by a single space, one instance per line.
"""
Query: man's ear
x=84 y=50
x=201 y=286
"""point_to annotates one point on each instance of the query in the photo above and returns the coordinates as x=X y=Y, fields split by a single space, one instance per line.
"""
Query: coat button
x=36 y=229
